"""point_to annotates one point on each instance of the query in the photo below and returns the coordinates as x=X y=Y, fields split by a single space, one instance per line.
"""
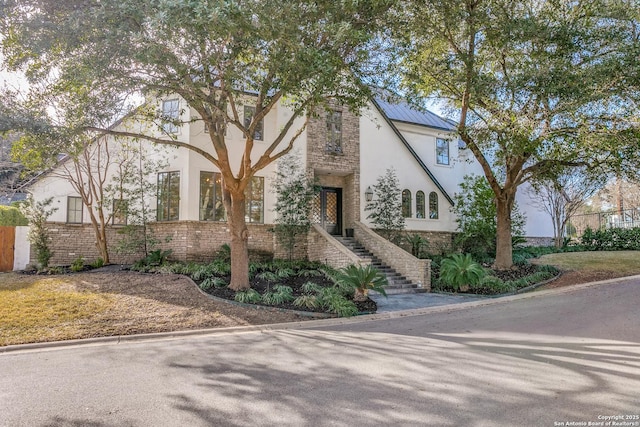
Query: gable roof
x=401 y=111
x=377 y=102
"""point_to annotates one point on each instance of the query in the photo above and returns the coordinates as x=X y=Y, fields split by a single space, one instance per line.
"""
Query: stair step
x=398 y=284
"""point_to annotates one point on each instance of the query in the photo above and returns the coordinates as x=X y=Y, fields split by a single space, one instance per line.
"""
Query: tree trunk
x=101 y=244
x=504 y=248
x=235 y=204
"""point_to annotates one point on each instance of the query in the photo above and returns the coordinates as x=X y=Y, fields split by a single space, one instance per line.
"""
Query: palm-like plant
x=461 y=272
x=362 y=279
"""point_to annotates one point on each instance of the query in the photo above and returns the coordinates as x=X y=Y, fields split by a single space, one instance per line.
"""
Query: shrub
x=308 y=301
x=99 y=262
x=249 y=296
x=417 y=243
x=362 y=279
x=461 y=271
x=11 y=216
x=77 y=264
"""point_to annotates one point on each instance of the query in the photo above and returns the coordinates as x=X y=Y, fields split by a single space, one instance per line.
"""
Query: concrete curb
x=309 y=324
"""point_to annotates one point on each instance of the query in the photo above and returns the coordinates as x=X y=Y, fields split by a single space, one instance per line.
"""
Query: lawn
x=618 y=263
x=84 y=305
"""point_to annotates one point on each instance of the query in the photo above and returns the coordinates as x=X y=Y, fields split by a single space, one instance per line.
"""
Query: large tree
x=91 y=57
x=535 y=85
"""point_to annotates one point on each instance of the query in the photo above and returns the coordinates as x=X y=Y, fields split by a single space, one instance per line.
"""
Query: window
x=74 y=210
x=254 y=194
x=170 y=112
x=420 y=204
x=433 y=205
x=120 y=209
x=168 y=196
x=442 y=151
x=334 y=131
x=406 y=203
x=249 y=112
x=211 y=204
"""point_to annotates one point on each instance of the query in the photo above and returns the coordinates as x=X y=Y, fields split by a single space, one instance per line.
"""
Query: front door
x=327 y=210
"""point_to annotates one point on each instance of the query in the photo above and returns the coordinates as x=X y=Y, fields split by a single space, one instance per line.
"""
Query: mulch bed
x=295 y=282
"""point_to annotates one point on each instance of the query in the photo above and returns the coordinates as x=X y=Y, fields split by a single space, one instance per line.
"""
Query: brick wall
x=339 y=170
x=437 y=241
x=416 y=270
x=189 y=241
x=325 y=249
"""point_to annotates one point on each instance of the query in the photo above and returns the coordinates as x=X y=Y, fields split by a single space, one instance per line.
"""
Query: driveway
x=548 y=359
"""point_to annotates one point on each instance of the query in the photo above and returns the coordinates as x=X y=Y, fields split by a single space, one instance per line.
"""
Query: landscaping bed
x=285 y=285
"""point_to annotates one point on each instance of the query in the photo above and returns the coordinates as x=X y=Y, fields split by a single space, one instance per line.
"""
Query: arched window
x=433 y=205
x=420 y=204
x=406 y=203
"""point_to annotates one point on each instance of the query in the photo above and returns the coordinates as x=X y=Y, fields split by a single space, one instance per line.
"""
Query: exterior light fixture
x=368 y=195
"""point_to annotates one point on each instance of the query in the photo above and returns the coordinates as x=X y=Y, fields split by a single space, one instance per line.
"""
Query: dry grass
x=84 y=305
x=619 y=263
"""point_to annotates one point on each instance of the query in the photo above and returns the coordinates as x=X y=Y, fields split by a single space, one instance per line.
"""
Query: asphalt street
x=566 y=357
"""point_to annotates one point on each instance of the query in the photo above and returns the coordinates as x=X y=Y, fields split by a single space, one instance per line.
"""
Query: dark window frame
x=169 y=210
x=334 y=132
x=443 y=156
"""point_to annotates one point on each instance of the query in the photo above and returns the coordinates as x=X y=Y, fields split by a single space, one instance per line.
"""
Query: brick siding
x=416 y=270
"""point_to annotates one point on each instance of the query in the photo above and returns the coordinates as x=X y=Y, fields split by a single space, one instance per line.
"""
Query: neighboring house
x=345 y=152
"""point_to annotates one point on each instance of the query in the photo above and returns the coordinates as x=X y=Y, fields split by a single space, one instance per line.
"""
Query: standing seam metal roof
x=403 y=112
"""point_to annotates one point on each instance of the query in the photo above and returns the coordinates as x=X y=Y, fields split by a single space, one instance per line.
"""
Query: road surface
x=567 y=357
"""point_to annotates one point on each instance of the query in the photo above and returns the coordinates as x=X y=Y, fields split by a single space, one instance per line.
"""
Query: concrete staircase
x=398 y=284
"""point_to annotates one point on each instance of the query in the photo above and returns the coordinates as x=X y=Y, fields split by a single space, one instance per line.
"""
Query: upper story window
x=433 y=205
x=442 y=151
x=334 y=131
x=406 y=203
x=249 y=112
x=168 y=196
x=420 y=204
x=74 y=210
x=171 y=113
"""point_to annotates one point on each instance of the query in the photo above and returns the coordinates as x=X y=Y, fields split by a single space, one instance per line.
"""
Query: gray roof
x=401 y=111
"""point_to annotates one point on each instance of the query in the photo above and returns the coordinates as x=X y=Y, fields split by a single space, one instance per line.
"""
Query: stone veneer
x=337 y=170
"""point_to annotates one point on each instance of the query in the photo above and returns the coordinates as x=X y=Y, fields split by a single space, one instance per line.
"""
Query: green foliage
x=99 y=262
x=476 y=215
x=362 y=279
x=280 y=295
x=154 y=259
x=611 y=239
x=386 y=207
x=417 y=243
x=307 y=301
x=77 y=265
x=37 y=213
x=212 y=282
x=11 y=216
x=294 y=193
x=460 y=271
x=249 y=296
x=224 y=253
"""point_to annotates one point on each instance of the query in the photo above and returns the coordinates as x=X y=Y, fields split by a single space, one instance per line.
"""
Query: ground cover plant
x=291 y=285
x=461 y=273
